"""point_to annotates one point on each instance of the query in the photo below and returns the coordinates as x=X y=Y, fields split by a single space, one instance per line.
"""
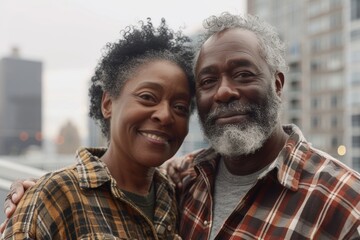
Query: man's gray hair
x=272 y=49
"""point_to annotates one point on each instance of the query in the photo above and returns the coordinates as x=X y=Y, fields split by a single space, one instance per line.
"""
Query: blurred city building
x=95 y=139
x=20 y=104
x=68 y=140
x=322 y=89
x=194 y=140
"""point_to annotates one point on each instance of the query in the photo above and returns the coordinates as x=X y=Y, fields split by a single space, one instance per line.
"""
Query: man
x=259 y=179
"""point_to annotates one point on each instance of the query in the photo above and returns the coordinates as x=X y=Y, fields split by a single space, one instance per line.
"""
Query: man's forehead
x=236 y=36
x=231 y=42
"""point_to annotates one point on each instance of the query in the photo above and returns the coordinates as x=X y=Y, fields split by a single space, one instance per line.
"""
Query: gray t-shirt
x=228 y=192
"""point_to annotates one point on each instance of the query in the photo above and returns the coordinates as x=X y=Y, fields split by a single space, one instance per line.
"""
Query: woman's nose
x=163 y=114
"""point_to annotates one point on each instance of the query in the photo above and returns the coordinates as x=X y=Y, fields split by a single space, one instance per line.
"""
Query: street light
x=341 y=150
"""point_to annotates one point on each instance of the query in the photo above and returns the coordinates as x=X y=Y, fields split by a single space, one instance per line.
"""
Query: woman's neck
x=129 y=175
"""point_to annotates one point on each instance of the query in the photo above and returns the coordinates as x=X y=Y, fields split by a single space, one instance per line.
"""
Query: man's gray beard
x=245 y=138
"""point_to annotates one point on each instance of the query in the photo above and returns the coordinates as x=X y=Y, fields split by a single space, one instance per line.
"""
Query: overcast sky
x=68 y=35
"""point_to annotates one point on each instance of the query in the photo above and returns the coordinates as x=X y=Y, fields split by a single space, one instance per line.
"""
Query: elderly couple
x=259 y=179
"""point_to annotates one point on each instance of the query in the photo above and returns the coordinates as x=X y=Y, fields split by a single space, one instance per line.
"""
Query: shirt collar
x=291 y=159
x=288 y=165
x=92 y=171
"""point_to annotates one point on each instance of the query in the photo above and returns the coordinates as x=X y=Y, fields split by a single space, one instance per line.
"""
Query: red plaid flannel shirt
x=305 y=194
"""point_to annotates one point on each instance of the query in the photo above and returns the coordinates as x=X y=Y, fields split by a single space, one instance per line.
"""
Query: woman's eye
x=147 y=97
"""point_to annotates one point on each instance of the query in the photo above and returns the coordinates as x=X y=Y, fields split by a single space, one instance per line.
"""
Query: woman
x=142 y=96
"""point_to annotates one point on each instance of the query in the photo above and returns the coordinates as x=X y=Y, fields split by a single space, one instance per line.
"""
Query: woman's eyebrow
x=150 y=85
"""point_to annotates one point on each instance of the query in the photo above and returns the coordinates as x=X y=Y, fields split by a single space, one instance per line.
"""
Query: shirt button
x=169 y=227
x=206 y=223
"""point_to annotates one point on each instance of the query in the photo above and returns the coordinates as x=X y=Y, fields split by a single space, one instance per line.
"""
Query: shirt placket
x=237 y=216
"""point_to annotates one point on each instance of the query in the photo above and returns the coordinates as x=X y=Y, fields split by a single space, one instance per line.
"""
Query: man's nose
x=227 y=91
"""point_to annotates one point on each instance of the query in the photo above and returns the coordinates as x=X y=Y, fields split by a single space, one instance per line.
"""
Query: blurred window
x=356 y=141
x=316 y=44
x=294 y=49
x=355 y=120
x=315 y=103
x=355 y=99
x=335 y=19
x=355 y=9
x=336 y=3
x=355 y=78
x=334 y=142
x=334 y=121
x=295 y=104
x=333 y=81
x=334 y=101
x=336 y=39
x=355 y=56
x=355 y=35
x=315 y=122
x=356 y=163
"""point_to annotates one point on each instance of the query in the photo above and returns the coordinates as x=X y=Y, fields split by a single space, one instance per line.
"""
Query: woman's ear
x=279 y=82
x=106 y=103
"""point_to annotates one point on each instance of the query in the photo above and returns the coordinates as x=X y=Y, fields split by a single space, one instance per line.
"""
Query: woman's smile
x=156 y=137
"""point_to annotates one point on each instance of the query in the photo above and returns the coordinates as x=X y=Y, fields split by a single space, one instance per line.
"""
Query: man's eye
x=243 y=75
x=182 y=108
x=207 y=82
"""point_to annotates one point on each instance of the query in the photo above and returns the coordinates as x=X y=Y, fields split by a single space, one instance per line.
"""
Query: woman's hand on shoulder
x=17 y=190
x=180 y=168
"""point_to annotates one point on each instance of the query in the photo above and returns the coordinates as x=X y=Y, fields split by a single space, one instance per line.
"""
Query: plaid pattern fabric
x=83 y=202
x=305 y=194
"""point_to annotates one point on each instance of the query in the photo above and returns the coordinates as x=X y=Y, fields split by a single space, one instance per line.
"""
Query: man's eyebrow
x=207 y=70
x=241 y=63
x=231 y=63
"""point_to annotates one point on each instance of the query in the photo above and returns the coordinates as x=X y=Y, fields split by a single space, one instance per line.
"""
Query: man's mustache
x=233 y=108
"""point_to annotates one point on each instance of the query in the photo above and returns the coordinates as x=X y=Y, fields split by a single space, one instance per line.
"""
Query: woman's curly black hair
x=138 y=45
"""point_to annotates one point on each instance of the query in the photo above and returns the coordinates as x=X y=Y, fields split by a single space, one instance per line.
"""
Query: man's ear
x=106 y=103
x=279 y=82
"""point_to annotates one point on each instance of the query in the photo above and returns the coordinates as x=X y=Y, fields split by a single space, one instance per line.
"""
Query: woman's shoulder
x=58 y=180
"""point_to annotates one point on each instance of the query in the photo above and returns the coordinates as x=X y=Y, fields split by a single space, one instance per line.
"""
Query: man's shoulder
x=331 y=173
x=335 y=165
x=205 y=155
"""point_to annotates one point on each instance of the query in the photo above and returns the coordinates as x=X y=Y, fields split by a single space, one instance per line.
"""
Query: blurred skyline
x=68 y=36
